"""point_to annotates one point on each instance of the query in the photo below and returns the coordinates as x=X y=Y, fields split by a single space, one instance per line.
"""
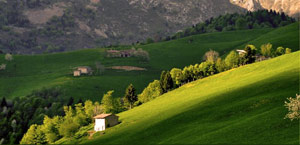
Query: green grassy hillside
x=243 y=105
x=26 y=73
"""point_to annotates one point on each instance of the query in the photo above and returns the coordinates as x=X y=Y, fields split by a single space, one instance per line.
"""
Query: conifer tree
x=130 y=96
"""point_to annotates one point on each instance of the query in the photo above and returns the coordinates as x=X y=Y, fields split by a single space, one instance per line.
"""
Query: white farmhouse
x=104 y=121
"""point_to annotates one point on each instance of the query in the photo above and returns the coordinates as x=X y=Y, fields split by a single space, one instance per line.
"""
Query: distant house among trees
x=120 y=53
x=113 y=53
x=104 y=121
x=139 y=53
x=82 y=70
x=241 y=52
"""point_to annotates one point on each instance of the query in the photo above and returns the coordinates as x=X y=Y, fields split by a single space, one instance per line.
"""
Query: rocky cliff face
x=290 y=7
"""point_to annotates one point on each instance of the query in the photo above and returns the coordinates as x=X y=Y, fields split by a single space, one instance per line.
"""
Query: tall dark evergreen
x=80 y=101
x=249 y=56
x=166 y=81
x=3 y=102
x=161 y=81
x=71 y=101
x=130 y=96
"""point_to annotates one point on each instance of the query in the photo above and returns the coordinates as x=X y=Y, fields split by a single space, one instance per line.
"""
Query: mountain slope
x=64 y=25
x=244 y=105
x=38 y=26
x=27 y=73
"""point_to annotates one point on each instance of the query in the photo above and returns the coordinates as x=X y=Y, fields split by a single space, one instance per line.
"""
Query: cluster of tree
x=68 y=126
x=18 y=114
x=268 y=51
x=53 y=129
x=293 y=106
x=11 y=14
x=213 y=64
x=12 y=40
x=57 y=26
x=11 y=11
x=143 y=55
x=229 y=22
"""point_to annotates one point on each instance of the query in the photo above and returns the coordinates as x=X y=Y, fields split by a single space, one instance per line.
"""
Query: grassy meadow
x=241 y=106
x=32 y=72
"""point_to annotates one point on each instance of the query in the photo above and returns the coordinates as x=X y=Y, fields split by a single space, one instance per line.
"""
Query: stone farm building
x=104 y=121
x=77 y=73
x=82 y=70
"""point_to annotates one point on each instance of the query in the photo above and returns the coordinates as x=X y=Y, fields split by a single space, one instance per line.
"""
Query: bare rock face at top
x=290 y=7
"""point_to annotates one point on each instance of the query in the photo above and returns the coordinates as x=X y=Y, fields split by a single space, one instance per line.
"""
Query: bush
x=279 y=51
x=8 y=57
x=2 y=66
x=288 y=51
x=266 y=50
x=293 y=106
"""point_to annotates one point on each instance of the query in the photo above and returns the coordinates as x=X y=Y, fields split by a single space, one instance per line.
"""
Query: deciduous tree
x=152 y=91
x=177 y=76
x=266 y=49
x=232 y=60
x=211 y=56
x=34 y=135
x=108 y=102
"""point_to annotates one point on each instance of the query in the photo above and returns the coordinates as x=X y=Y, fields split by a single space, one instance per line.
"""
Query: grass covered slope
x=26 y=73
x=284 y=36
x=243 y=105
